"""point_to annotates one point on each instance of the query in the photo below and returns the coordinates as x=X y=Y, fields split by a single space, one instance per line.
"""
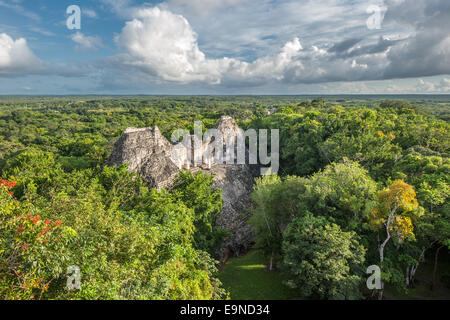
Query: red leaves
x=43 y=232
x=9 y=185
x=47 y=222
x=39 y=229
x=36 y=219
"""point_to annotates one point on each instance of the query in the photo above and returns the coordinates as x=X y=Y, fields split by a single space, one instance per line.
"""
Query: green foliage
x=135 y=243
x=343 y=192
x=33 y=251
x=122 y=189
x=32 y=170
x=395 y=104
x=429 y=176
x=129 y=242
x=196 y=192
x=321 y=260
x=313 y=137
x=275 y=204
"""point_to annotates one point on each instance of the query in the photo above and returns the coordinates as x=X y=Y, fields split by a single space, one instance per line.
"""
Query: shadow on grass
x=246 y=279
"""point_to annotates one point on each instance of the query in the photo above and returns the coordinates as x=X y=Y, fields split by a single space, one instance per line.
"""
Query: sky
x=225 y=47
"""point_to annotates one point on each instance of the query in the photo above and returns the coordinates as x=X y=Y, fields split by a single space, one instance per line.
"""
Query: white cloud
x=20 y=10
x=16 y=58
x=337 y=45
x=395 y=89
x=86 y=42
x=90 y=13
x=164 y=44
x=241 y=43
x=426 y=52
x=121 y=7
x=201 y=7
x=444 y=85
x=42 y=31
x=423 y=86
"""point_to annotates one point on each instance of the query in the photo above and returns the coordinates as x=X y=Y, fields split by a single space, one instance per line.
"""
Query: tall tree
x=397 y=206
x=321 y=260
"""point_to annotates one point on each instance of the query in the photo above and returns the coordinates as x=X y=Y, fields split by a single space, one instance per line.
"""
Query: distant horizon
x=225 y=95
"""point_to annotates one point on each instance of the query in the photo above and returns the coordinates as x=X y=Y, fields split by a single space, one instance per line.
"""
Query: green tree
x=321 y=260
x=197 y=192
x=396 y=210
x=275 y=204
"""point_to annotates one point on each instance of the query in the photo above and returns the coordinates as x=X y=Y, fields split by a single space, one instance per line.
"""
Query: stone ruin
x=150 y=154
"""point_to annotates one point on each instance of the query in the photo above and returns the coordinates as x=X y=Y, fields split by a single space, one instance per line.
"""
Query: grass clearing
x=246 y=278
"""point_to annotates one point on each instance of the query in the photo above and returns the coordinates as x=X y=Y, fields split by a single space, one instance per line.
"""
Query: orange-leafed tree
x=397 y=208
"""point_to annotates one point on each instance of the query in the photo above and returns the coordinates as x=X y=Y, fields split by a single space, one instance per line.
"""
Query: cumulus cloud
x=86 y=42
x=164 y=44
x=427 y=51
x=444 y=85
x=16 y=58
x=231 y=44
x=425 y=86
x=431 y=87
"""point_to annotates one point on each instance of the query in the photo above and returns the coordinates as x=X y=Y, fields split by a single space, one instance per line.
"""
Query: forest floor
x=422 y=287
x=246 y=278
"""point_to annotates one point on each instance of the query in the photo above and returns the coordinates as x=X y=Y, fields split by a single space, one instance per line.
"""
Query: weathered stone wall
x=148 y=152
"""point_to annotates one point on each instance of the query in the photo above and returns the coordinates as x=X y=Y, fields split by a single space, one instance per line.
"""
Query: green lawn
x=246 y=278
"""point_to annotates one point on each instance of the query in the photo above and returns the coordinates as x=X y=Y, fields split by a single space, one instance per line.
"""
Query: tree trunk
x=388 y=225
x=413 y=273
x=382 y=248
x=421 y=259
x=436 y=258
x=414 y=267
x=271 y=262
x=380 y=294
x=407 y=277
